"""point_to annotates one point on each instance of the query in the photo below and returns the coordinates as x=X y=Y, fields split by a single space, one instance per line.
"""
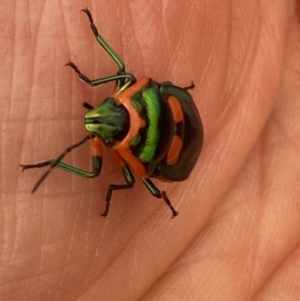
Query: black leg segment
x=130 y=182
x=159 y=194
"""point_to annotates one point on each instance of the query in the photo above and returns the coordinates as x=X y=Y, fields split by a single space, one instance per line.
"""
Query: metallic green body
x=154 y=139
x=150 y=113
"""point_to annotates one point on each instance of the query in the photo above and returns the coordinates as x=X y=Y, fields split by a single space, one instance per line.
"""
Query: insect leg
x=130 y=182
x=190 y=87
x=127 y=79
x=159 y=194
x=96 y=162
x=103 y=43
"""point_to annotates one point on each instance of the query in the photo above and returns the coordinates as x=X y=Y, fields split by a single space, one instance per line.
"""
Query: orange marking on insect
x=136 y=123
x=118 y=158
x=96 y=147
x=174 y=150
x=176 y=144
x=176 y=108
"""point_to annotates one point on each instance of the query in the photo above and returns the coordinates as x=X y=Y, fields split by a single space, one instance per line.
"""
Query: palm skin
x=237 y=235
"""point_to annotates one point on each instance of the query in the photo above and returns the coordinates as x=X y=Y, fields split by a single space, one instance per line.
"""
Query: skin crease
x=237 y=235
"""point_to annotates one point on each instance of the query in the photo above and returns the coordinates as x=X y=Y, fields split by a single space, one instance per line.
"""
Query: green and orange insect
x=154 y=129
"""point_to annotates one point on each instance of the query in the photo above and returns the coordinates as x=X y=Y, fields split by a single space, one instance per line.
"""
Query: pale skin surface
x=238 y=232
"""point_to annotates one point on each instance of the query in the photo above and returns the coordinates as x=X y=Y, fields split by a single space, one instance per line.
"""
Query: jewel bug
x=154 y=129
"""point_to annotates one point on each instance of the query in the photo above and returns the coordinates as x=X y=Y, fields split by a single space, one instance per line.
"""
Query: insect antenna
x=87 y=106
